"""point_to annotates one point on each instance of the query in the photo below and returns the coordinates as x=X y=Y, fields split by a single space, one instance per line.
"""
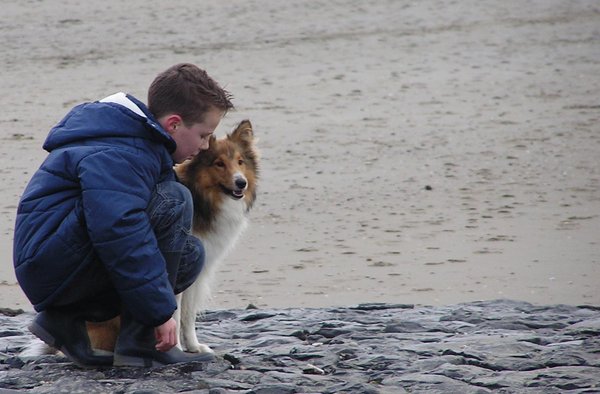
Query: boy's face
x=191 y=140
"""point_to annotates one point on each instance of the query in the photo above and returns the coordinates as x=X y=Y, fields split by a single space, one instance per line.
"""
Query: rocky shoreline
x=480 y=347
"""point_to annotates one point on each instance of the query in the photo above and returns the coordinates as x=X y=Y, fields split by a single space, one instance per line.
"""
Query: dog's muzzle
x=240 y=184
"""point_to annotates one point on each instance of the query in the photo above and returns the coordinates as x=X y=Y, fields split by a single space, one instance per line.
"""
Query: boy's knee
x=199 y=255
x=176 y=191
x=191 y=264
x=171 y=202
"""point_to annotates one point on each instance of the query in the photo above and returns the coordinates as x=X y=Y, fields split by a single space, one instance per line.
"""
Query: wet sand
x=427 y=152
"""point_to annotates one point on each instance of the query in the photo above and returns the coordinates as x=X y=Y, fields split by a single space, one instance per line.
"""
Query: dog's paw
x=205 y=349
x=200 y=348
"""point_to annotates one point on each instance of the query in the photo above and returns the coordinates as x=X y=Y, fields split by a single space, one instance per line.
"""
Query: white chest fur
x=228 y=225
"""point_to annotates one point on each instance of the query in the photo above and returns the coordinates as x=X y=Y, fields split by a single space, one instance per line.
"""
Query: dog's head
x=229 y=167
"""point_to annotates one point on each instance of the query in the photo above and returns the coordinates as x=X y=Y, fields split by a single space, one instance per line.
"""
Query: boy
x=103 y=227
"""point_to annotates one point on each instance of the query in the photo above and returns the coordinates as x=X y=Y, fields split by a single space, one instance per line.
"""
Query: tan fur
x=103 y=335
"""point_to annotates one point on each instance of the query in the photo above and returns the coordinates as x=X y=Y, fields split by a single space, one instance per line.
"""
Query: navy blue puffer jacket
x=87 y=203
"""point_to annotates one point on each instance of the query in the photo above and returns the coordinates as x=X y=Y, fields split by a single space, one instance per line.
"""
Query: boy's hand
x=166 y=335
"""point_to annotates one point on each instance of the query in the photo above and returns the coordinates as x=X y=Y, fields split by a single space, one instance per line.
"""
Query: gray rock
x=494 y=346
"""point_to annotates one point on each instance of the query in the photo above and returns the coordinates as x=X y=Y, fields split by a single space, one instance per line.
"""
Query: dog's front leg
x=177 y=317
x=188 y=322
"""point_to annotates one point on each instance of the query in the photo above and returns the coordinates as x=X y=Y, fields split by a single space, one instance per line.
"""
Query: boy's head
x=188 y=91
x=189 y=105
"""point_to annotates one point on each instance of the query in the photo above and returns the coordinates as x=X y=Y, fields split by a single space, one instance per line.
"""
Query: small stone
x=313 y=370
x=232 y=359
x=256 y=316
x=376 y=306
x=274 y=389
x=14 y=362
x=11 y=312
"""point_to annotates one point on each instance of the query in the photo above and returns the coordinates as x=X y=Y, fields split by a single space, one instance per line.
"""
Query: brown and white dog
x=223 y=181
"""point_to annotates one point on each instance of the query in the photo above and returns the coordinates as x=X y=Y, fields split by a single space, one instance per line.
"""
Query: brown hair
x=188 y=91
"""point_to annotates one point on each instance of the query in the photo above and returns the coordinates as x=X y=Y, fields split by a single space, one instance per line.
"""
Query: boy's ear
x=243 y=132
x=170 y=123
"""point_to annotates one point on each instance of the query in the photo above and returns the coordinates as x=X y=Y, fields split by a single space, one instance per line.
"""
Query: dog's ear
x=244 y=136
x=212 y=141
x=243 y=132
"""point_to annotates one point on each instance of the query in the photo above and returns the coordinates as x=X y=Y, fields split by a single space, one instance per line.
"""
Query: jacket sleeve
x=116 y=188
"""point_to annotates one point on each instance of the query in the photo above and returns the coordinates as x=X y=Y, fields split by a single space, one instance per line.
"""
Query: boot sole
x=132 y=361
x=49 y=340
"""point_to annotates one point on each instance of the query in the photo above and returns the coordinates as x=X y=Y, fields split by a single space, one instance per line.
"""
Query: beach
x=411 y=152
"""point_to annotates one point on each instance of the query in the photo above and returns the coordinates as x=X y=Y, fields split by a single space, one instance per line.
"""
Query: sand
x=412 y=152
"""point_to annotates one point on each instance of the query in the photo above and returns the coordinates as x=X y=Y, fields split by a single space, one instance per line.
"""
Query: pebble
x=480 y=347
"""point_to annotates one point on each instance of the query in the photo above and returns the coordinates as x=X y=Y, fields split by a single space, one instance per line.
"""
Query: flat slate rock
x=481 y=347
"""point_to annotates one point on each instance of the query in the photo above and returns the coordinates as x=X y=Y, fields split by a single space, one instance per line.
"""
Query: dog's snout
x=241 y=183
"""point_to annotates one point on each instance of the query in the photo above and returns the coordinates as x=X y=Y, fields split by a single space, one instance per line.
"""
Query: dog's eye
x=220 y=164
x=241 y=162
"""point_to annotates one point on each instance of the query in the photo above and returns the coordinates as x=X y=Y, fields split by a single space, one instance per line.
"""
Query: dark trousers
x=170 y=212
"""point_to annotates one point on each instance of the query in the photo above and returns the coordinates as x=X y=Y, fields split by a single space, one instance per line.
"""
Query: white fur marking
x=35 y=349
x=229 y=224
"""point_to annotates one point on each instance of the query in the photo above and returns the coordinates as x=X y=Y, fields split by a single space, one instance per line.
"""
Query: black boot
x=67 y=332
x=136 y=347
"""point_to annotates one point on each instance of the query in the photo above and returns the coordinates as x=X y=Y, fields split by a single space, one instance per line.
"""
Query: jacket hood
x=117 y=116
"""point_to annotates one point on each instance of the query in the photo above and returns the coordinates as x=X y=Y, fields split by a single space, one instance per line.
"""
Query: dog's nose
x=240 y=183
